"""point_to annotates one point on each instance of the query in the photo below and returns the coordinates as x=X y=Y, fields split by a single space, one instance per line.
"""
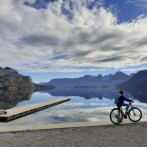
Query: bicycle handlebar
x=131 y=102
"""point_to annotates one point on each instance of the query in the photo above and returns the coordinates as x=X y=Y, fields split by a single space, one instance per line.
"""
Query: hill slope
x=139 y=80
x=11 y=80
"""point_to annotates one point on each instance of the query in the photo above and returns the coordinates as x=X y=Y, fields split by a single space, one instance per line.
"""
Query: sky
x=48 y=39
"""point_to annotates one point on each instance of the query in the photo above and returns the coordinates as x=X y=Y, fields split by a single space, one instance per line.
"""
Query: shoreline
x=58 y=126
x=129 y=135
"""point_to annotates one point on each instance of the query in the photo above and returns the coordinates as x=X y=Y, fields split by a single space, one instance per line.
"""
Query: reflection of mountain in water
x=9 y=99
x=87 y=93
x=139 y=94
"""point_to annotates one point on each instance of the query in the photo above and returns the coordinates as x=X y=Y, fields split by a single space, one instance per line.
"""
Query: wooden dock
x=18 y=112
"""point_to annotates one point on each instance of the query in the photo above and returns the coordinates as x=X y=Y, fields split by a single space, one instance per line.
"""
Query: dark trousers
x=127 y=106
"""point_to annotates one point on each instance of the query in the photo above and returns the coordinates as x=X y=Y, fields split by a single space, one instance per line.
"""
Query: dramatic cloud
x=31 y=38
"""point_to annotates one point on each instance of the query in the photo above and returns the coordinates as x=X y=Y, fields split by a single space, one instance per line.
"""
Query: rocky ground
x=128 y=135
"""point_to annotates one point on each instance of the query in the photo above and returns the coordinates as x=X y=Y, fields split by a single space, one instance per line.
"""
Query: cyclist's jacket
x=122 y=99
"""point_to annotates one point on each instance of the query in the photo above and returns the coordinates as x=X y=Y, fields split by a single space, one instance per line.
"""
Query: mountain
x=89 y=80
x=138 y=80
x=11 y=80
x=107 y=77
x=131 y=75
x=11 y=70
x=119 y=76
x=38 y=87
x=136 y=85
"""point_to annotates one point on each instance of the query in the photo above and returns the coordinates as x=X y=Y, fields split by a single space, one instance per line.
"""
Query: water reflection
x=99 y=93
x=139 y=94
x=86 y=105
x=9 y=99
x=70 y=112
x=88 y=93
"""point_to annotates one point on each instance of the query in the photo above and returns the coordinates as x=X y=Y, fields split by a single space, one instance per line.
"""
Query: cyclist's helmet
x=121 y=92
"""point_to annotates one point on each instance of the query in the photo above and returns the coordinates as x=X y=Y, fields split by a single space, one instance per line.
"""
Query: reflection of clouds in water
x=144 y=113
x=140 y=104
x=80 y=104
x=50 y=116
x=75 y=113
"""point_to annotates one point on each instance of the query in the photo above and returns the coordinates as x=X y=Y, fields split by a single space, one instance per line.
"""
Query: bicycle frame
x=130 y=106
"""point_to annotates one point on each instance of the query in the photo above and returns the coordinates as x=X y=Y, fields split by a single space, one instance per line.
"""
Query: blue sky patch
x=124 y=10
x=60 y=57
x=39 y=4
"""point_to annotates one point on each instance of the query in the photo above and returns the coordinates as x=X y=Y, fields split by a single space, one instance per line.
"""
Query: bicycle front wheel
x=116 y=116
x=135 y=114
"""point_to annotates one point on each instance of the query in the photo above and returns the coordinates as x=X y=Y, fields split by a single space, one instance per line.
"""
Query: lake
x=86 y=105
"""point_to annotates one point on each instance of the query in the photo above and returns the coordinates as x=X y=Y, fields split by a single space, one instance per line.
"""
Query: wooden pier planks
x=18 y=112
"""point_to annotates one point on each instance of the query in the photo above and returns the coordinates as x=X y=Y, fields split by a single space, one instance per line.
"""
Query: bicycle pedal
x=119 y=120
x=125 y=116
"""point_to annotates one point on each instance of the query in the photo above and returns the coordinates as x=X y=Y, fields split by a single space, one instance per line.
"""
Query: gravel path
x=128 y=135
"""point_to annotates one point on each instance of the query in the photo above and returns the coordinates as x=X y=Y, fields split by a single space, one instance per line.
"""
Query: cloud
x=55 y=68
x=40 y=40
x=144 y=58
x=8 y=12
x=110 y=59
x=89 y=37
x=140 y=3
x=134 y=69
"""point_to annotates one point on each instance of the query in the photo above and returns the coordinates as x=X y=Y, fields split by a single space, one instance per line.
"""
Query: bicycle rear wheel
x=135 y=114
x=116 y=116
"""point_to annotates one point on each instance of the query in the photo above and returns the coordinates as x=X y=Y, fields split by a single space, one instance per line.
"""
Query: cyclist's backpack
x=116 y=101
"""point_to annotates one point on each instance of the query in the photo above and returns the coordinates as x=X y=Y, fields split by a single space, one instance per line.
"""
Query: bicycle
x=117 y=115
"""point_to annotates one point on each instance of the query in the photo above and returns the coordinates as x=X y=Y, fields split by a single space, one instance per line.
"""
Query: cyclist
x=121 y=100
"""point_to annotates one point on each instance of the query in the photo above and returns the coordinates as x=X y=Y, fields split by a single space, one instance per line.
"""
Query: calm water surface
x=86 y=105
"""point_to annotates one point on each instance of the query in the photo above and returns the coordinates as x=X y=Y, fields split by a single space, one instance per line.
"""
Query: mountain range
x=119 y=79
x=10 y=79
x=88 y=80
